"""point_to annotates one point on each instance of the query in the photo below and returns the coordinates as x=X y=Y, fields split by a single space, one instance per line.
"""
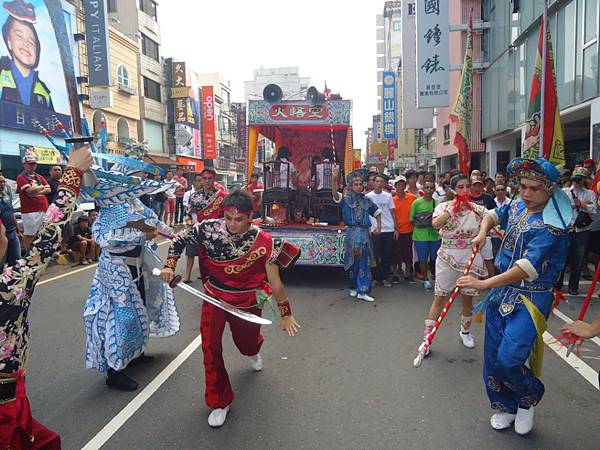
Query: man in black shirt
x=54 y=182
x=484 y=199
x=82 y=241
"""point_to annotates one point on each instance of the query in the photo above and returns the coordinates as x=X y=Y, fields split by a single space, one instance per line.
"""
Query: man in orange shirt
x=403 y=245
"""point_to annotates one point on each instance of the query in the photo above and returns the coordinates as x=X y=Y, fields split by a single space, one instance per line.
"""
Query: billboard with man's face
x=33 y=81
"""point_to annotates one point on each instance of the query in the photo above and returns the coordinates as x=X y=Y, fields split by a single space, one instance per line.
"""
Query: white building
x=287 y=78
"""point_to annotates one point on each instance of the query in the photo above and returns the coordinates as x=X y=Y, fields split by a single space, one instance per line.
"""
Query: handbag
x=584 y=219
x=424 y=219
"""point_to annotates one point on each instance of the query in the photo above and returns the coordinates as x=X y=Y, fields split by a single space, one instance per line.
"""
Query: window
x=149 y=7
x=446 y=134
x=123 y=132
x=112 y=5
x=396 y=25
x=123 y=76
x=152 y=89
x=150 y=48
x=20 y=117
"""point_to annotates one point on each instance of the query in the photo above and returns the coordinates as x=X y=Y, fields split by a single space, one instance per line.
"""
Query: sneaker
x=467 y=339
x=573 y=292
x=256 y=362
x=524 y=420
x=365 y=298
x=84 y=262
x=387 y=284
x=375 y=283
x=395 y=279
x=427 y=284
x=409 y=279
x=502 y=421
x=217 y=417
x=353 y=292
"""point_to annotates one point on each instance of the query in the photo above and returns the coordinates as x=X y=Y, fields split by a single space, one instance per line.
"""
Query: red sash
x=214 y=209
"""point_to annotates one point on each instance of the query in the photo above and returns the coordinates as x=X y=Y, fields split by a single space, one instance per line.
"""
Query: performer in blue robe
x=126 y=304
x=357 y=210
x=532 y=255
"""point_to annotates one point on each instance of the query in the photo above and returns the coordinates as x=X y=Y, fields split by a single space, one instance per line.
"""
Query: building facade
x=511 y=47
x=123 y=117
x=446 y=152
x=138 y=19
x=287 y=78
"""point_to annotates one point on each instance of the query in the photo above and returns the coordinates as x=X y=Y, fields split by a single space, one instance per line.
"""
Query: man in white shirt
x=583 y=202
x=384 y=241
x=501 y=199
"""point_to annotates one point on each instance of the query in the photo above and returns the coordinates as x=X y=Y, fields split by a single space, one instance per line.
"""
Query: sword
x=245 y=315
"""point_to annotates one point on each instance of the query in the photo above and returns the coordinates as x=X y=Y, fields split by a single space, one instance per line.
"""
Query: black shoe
x=587 y=276
x=142 y=359
x=118 y=380
x=409 y=279
x=573 y=292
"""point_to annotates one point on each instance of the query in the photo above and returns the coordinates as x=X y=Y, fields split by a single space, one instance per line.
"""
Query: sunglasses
x=577 y=180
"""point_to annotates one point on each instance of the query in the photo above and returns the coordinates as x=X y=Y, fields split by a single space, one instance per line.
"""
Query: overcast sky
x=330 y=40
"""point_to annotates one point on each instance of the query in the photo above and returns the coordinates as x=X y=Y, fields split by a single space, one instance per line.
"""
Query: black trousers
x=382 y=248
x=575 y=258
x=179 y=210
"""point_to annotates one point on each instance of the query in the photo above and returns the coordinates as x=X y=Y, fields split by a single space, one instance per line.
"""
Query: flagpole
x=544 y=75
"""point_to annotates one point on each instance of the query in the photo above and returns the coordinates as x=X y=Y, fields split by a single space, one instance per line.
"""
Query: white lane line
x=73 y=272
x=573 y=360
x=125 y=414
x=567 y=319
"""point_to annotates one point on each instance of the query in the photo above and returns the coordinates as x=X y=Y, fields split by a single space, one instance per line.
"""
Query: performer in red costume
x=207 y=203
x=241 y=267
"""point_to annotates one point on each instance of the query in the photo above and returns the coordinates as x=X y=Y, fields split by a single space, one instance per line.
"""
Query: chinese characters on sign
x=298 y=112
x=178 y=74
x=433 y=65
x=209 y=135
x=389 y=105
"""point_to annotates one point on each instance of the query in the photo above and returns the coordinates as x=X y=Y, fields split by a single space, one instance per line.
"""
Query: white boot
x=502 y=421
x=365 y=298
x=217 y=417
x=524 y=420
x=256 y=362
x=467 y=339
x=353 y=292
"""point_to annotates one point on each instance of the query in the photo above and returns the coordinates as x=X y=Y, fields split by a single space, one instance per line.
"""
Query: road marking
x=73 y=272
x=567 y=319
x=125 y=414
x=573 y=360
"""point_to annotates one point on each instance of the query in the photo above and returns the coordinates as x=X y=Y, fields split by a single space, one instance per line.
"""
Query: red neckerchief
x=463 y=200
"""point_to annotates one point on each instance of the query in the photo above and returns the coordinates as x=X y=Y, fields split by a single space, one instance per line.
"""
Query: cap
x=30 y=157
x=476 y=179
x=400 y=178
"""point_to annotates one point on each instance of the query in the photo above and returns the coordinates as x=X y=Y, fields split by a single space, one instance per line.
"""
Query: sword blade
x=245 y=315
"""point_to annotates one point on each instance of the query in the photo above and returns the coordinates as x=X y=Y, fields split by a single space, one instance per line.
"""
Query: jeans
x=575 y=258
x=382 y=248
x=13 y=250
x=179 y=210
x=159 y=207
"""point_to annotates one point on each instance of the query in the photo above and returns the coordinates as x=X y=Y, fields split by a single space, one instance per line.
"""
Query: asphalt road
x=345 y=382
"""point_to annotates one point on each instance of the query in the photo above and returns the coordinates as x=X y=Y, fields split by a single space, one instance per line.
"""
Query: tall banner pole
x=544 y=76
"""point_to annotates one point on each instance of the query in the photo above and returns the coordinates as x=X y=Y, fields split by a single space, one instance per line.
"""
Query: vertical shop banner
x=408 y=114
x=389 y=105
x=242 y=130
x=209 y=135
x=96 y=41
x=433 y=59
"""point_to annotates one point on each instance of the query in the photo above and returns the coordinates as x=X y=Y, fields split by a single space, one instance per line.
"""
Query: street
x=345 y=382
